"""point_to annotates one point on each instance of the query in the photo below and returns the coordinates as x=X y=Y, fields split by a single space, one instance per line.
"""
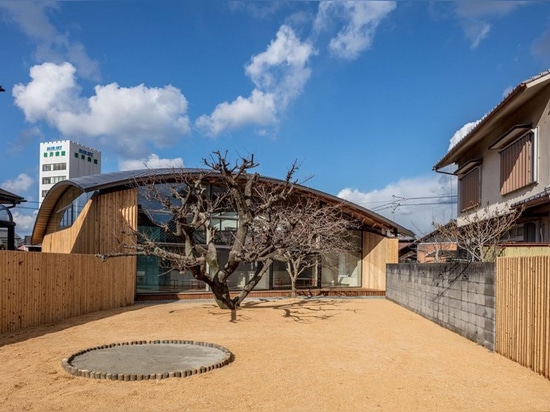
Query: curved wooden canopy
x=109 y=182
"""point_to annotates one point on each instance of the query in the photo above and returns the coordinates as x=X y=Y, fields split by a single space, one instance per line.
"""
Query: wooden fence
x=523 y=311
x=42 y=288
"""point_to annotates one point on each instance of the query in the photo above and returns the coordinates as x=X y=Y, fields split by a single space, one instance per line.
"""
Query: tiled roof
x=10 y=198
x=514 y=94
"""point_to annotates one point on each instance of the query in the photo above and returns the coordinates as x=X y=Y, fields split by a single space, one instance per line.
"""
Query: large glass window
x=155 y=275
x=281 y=278
x=70 y=205
x=343 y=269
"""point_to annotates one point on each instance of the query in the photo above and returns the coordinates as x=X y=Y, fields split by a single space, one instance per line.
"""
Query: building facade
x=115 y=202
x=65 y=159
x=504 y=161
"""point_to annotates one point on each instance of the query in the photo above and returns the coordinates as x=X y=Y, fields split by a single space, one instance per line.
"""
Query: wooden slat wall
x=469 y=193
x=99 y=227
x=377 y=252
x=41 y=288
x=516 y=164
x=523 y=311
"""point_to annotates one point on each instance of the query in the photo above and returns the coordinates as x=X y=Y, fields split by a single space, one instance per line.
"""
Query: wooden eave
x=8 y=198
x=520 y=95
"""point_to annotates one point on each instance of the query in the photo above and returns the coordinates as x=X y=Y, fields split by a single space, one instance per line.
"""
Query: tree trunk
x=261 y=269
x=221 y=294
x=293 y=287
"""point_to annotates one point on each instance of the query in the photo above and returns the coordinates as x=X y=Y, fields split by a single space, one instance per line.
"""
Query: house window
x=517 y=164
x=469 y=189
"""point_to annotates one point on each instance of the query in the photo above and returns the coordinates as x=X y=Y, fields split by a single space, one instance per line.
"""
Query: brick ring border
x=93 y=374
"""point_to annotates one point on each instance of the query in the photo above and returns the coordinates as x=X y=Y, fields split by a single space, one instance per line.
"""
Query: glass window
x=281 y=278
x=46 y=168
x=53 y=179
x=76 y=155
x=343 y=269
x=70 y=205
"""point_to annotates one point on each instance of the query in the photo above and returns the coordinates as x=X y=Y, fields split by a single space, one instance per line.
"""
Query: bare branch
x=481 y=232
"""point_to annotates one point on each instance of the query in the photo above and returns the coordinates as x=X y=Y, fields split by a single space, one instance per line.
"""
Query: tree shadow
x=301 y=310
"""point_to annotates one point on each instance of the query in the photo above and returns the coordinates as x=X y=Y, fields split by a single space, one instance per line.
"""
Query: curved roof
x=130 y=178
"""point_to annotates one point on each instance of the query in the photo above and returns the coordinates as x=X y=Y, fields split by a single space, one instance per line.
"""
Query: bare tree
x=481 y=232
x=192 y=202
x=306 y=230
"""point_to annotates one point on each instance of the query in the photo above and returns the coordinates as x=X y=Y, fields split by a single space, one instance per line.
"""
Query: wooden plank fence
x=42 y=288
x=523 y=311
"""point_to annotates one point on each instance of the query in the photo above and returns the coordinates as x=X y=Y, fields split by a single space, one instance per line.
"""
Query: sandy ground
x=290 y=355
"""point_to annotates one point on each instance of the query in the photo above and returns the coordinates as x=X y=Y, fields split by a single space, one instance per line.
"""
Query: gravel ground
x=290 y=355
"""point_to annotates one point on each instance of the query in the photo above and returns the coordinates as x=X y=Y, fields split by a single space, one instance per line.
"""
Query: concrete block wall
x=457 y=296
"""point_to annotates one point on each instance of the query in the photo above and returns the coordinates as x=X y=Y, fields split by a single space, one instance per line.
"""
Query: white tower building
x=65 y=159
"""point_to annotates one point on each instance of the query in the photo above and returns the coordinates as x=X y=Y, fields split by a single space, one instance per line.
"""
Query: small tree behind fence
x=481 y=232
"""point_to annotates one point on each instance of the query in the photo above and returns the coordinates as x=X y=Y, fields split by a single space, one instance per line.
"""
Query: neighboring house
x=431 y=248
x=504 y=161
x=8 y=200
x=88 y=214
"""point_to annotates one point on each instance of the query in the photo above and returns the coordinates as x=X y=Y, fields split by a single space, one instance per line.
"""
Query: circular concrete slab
x=140 y=360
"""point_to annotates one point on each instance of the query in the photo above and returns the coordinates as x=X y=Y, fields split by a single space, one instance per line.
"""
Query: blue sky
x=366 y=96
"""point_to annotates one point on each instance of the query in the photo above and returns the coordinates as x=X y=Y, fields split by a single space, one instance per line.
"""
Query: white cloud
x=152 y=162
x=362 y=19
x=128 y=119
x=279 y=75
x=32 y=19
x=23 y=223
x=476 y=31
x=414 y=202
x=460 y=133
x=474 y=16
x=18 y=185
x=258 y=109
x=478 y=9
